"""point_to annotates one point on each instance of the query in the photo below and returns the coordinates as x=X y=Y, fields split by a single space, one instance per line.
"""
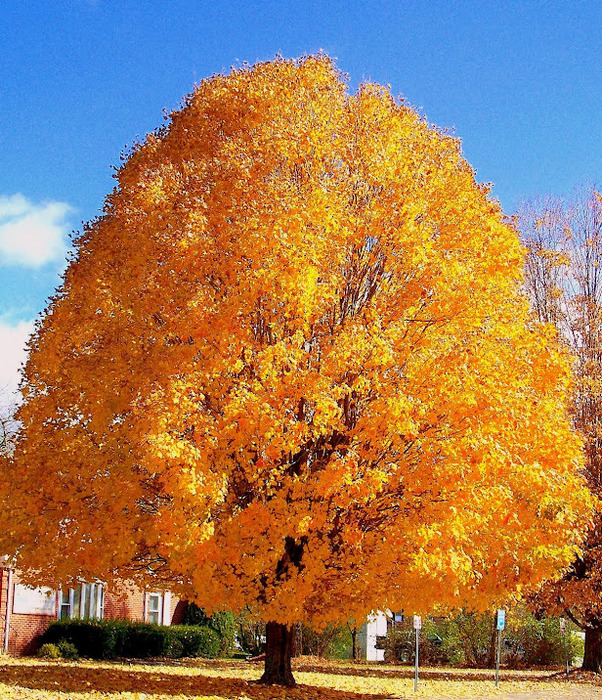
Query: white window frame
x=162 y=609
x=151 y=610
x=66 y=600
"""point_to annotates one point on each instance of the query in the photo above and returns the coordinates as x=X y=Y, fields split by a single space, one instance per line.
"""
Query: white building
x=375 y=626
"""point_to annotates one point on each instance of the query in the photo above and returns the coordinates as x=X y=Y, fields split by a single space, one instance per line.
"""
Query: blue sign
x=501 y=619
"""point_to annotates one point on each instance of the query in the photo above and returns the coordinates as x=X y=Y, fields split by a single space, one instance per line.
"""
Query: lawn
x=32 y=679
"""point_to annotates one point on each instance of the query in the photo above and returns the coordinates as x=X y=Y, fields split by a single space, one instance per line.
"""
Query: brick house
x=26 y=612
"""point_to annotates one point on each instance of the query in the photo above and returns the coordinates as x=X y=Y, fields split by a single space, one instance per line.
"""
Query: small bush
x=68 y=650
x=49 y=651
x=324 y=643
x=222 y=622
x=398 y=646
x=144 y=641
x=341 y=646
x=194 y=641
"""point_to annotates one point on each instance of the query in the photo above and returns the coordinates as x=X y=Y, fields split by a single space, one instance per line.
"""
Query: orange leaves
x=291 y=364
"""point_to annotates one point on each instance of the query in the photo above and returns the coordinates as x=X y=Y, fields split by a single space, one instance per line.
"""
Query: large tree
x=291 y=366
x=564 y=282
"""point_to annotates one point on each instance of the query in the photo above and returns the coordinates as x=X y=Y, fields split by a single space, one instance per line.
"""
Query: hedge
x=222 y=622
x=109 y=639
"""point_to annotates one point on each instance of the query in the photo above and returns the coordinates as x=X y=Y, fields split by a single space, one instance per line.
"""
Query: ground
x=32 y=679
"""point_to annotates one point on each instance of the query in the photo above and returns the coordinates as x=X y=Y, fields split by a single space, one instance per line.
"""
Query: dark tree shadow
x=407 y=672
x=72 y=678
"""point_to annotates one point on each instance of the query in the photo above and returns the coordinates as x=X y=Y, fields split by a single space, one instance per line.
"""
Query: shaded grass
x=155 y=680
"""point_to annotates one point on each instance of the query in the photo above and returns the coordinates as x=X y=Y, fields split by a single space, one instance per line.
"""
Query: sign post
x=564 y=644
x=500 y=624
x=417 y=628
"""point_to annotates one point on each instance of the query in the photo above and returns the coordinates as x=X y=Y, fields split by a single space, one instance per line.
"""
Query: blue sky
x=518 y=81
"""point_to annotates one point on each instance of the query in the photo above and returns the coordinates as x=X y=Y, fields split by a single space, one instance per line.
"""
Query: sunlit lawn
x=29 y=679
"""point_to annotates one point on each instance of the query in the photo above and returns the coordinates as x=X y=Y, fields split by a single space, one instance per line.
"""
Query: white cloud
x=13 y=339
x=32 y=235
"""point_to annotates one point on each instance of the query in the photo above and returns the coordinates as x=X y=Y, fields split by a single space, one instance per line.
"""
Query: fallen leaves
x=32 y=679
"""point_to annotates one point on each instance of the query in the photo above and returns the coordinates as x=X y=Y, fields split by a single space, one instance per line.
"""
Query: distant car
x=404 y=653
x=513 y=649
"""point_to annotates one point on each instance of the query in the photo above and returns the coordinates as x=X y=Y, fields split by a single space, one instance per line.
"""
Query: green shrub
x=476 y=635
x=250 y=632
x=441 y=642
x=341 y=646
x=222 y=622
x=103 y=639
x=144 y=641
x=68 y=650
x=323 y=643
x=49 y=651
x=193 y=641
x=109 y=639
x=471 y=638
x=537 y=641
x=437 y=640
x=194 y=615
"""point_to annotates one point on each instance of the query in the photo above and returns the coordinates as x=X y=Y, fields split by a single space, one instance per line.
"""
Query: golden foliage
x=291 y=365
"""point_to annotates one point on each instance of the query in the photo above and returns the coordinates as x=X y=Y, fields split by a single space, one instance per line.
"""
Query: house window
x=158 y=608
x=84 y=602
x=155 y=608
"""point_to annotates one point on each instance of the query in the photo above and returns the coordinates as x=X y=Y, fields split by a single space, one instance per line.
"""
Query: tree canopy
x=291 y=366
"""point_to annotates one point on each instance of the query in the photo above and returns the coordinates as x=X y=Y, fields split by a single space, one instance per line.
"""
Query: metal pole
x=565 y=646
x=9 y=594
x=416 y=662
x=498 y=656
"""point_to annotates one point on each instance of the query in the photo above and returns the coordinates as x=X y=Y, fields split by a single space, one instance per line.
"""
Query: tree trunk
x=353 y=631
x=298 y=640
x=592 y=659
x=278 y=653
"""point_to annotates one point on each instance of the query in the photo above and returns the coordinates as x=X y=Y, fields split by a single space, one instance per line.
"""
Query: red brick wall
x=3 y=589
x=177 y=610
x=127 y=604
x=133 y=605
x=25 y=630
x=25 y=633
